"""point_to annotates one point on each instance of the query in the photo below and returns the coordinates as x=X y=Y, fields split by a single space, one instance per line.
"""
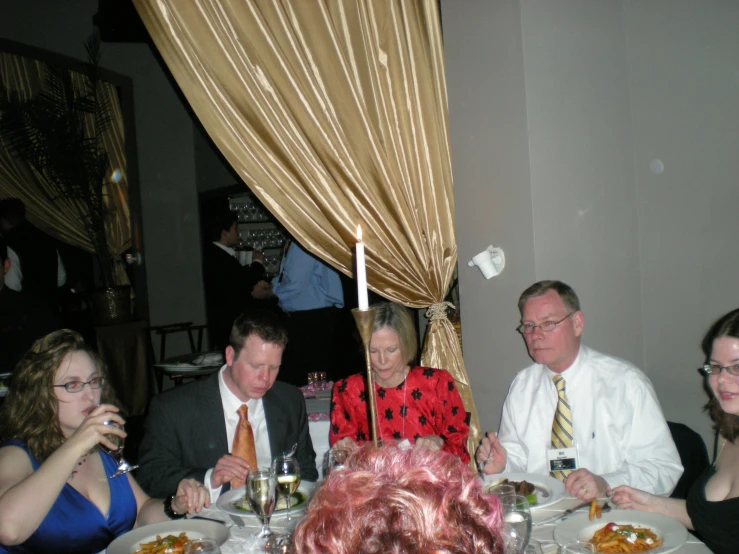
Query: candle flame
x=359 y=233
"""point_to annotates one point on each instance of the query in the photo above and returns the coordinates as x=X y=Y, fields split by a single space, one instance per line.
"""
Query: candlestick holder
x=365 y=320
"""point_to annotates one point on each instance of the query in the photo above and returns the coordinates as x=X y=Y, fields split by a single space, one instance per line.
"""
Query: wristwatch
x=168 y=511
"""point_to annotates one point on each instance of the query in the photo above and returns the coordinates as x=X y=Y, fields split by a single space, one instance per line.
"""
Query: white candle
x=361 y=273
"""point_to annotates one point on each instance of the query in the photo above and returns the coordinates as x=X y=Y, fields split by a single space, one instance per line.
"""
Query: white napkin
x=211 y=358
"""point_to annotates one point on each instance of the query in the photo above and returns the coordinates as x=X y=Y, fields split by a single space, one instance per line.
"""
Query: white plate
x=580 y=528
x=195 y=529
x=548 y=489
x=180 y=367
x=226 y=501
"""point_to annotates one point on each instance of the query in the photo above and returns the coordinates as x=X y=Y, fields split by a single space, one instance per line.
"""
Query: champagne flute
x=287 y=473
x=516 y=524
x=261 y=492
x=117 y=454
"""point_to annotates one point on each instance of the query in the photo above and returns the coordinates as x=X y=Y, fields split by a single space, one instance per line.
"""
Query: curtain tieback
x=438 y=311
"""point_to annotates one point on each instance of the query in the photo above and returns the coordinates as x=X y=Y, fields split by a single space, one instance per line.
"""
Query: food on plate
x=619 y=538
x=595 y=511
x=522 y=488
x=170 y=544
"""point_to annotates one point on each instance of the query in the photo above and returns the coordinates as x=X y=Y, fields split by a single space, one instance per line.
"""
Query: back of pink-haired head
x=388 y=500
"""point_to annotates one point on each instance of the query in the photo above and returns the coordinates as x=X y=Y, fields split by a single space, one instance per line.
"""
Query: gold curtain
x=58 y=216
x=335 y=114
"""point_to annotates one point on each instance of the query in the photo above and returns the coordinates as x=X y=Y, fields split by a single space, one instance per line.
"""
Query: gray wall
x=165 y=151
x=557 y=109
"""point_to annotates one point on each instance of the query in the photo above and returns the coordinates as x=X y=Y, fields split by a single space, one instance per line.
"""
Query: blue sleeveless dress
x=74 y=525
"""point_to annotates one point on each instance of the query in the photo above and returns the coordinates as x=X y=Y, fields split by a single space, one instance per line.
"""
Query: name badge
x=562 y=459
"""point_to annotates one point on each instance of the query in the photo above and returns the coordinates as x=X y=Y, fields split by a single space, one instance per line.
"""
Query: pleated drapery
x=59 y=217
x=334 y=112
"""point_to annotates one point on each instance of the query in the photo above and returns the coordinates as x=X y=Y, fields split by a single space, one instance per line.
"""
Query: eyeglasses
x=545 y=326
x=715 y=369
x=79 y=386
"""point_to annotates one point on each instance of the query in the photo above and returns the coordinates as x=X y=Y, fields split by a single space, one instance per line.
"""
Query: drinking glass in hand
x=516 y=524
x=117 y=454
x=287 y=474
x=261 y=492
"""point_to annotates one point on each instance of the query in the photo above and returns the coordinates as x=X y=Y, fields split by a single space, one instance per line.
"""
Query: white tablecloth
x=241 y=539
x=319 y=429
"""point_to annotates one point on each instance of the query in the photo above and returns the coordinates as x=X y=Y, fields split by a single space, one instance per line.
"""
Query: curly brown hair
x=727 y=425
x=30 y=411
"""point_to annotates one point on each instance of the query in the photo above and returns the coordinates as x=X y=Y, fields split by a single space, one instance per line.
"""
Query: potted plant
x=58 y=132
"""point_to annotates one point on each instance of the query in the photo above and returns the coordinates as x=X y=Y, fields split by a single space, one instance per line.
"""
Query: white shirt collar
x=227 y=249
x=231 y=403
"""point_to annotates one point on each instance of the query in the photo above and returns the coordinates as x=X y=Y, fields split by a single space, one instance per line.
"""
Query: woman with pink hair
x=388 y=500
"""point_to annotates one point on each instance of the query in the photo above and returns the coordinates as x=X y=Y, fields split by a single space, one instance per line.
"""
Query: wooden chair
x=195 y=347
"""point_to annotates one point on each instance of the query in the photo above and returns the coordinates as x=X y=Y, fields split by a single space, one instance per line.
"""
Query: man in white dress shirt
x=618 y=434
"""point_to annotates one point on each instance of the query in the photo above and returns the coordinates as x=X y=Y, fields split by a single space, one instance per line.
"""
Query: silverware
x=208 y=519
x=563 y=514
x=290 y=453
x=237 y=521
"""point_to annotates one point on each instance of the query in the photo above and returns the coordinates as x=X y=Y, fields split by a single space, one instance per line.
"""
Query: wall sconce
x=491 y=261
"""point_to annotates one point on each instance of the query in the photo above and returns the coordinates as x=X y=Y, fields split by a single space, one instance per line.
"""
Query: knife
x=563 y=514
x=237 y=520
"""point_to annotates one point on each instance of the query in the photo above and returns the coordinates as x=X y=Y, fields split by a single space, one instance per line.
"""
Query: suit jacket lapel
x=276 y=423
x=212 y=422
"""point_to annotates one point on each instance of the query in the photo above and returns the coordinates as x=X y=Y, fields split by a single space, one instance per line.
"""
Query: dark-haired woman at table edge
x=712 y=507
x=416 y=403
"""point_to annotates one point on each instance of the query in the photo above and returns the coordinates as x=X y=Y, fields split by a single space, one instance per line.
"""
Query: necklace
x=81 y=461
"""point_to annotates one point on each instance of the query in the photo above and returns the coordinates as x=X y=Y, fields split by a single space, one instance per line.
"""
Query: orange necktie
x=244 y=443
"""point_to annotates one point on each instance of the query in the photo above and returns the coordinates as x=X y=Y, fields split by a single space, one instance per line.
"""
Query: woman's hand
x=627 y=498
x=347 y=443
x=93 y=429
x=191 y=497
x=432 y=442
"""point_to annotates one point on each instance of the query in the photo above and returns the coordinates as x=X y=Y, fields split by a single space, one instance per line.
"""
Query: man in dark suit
x=230 y=288
x=190 y=430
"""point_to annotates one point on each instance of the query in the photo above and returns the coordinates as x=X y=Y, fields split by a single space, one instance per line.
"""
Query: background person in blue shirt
x=310 y=294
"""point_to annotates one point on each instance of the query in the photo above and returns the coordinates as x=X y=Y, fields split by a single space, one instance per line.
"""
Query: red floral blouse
x=426 y=403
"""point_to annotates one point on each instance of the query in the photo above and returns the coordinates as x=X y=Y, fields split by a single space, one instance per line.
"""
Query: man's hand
x=257 y=256
x=262 y=290
x=491 y=456
x=432 y=442
x=228 y=468
x=585 y=485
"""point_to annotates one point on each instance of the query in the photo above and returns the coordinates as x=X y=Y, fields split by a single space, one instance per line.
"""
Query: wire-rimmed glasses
x=715 y=369
x=545 y=326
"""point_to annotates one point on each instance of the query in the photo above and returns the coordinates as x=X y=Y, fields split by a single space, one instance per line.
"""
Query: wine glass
x=117 y=454
x=516 y=524
x=287 y=473
x=336 y=459
x=202 y=546
x=261 y=492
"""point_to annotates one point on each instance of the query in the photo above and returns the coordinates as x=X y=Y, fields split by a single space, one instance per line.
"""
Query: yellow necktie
x=562 y=424
x=243 y=446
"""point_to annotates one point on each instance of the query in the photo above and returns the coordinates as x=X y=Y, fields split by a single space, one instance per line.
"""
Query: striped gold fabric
x=562 y=424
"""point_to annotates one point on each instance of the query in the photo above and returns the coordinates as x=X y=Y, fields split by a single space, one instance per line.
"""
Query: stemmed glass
x=337 y=457
x=261 y=492
x=287 y=473
x=117 y=454
x=516 y=523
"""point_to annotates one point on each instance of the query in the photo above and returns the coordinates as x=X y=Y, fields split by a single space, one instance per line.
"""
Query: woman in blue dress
x=56 y=493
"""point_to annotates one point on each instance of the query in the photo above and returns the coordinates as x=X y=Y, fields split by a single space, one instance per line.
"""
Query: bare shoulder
x=15 y=465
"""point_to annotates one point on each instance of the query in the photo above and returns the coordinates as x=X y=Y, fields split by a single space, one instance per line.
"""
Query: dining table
x=241 y=539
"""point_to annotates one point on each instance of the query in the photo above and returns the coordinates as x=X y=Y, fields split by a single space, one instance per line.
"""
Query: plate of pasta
x=624 y=532
x=168 y=537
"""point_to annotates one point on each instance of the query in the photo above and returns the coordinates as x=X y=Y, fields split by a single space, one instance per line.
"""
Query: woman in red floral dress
x=420 y=404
